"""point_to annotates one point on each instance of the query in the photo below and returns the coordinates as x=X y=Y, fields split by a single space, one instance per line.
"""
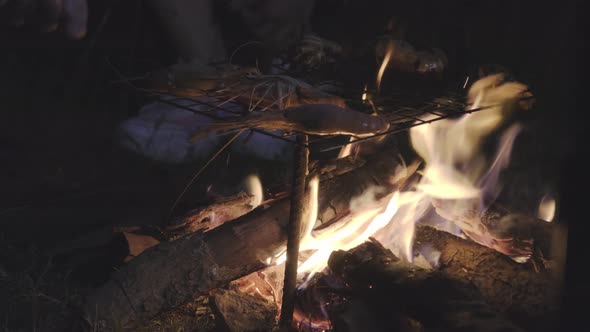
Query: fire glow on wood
x=388 y=54
x=457 y=180
x=244 y=238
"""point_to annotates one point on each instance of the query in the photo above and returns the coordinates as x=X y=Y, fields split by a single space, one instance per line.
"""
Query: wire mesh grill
x=402 y=109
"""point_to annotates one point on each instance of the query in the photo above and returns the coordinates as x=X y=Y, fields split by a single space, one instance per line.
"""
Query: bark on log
x=547 y=236
x=514 y=234
x=205 y=218
x=211 y=216
x=474 y=288
x=509 y=287
x=173 y=273
x=226 y=209
x=433 y=299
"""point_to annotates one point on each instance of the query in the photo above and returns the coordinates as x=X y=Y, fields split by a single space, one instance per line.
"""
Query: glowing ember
x=547 y=208
x=386 y=59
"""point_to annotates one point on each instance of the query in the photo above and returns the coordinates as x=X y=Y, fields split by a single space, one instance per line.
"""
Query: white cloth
x=163 y=132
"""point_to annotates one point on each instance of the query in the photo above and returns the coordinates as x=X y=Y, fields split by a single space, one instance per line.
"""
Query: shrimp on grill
x=313 y=119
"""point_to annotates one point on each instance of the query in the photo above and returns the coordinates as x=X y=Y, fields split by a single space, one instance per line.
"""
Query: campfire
x=365 y=227
x=298 y=166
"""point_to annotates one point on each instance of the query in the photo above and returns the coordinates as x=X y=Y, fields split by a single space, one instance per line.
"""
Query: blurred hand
x=73 y=14
x=502 y=75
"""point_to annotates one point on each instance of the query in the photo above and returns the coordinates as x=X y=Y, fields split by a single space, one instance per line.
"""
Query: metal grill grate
x=402 y=109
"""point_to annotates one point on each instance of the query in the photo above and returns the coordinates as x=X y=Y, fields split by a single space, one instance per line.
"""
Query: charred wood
x=517 y=290
x=437 y=301
x=509 y=232
x=214 y=214
x=172 y=273
x=224 y=209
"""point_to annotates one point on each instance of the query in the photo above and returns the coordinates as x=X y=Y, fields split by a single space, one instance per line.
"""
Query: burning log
x=215 y=214
x=210 y=216
x=224 y=209
x=513 y=234
x=509 y=287
x=173 y=273
x=548 y=237
x=465 y=287
x=432 y=298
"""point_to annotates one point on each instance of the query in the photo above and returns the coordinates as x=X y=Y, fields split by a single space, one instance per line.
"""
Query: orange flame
x=386 y=60
x=547 y=208
x=456 y=178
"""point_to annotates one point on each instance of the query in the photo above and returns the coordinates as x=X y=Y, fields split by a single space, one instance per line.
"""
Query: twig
x=239 y=47
x=293 y=235
x=204 y=167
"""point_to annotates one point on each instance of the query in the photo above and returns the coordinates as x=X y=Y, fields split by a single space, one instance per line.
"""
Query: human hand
x=73 y=14
x=501 y=75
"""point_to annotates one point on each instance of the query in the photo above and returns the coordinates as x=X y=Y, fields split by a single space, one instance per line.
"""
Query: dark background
x=59 y=107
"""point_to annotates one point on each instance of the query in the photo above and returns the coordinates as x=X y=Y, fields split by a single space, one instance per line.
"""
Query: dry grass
x=36 y=296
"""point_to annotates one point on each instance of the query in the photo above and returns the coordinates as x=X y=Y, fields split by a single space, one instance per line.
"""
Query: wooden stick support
x=294 y=231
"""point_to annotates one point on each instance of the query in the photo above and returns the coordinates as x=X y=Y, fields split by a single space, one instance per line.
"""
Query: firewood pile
x=496 y=270
x=454 y=283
